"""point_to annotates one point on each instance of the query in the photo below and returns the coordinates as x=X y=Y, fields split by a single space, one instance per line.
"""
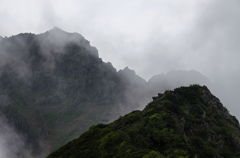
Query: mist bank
x=12 y=144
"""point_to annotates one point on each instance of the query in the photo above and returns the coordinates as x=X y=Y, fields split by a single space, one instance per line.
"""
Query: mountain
x=185 y=122
x=54 y=86
x=175 y=78
x=136 y=90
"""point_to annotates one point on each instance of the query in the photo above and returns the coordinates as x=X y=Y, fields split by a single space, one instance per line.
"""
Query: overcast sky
x=149 y=36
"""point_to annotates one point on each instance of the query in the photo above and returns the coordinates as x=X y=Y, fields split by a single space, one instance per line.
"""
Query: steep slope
x=186 y=122
x=136 y=90
x=55 y=79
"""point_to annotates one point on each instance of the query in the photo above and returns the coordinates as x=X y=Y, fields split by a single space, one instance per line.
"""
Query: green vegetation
x=52 y=118
x=180 y=124
x=66 y=137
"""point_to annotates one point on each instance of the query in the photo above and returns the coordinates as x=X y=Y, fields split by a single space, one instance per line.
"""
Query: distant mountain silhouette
x=176 y=78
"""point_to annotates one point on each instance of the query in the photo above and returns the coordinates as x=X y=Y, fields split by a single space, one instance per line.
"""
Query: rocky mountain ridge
x=186 y=122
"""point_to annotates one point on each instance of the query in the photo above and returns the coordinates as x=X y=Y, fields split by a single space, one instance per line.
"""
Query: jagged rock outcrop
x=214 y=103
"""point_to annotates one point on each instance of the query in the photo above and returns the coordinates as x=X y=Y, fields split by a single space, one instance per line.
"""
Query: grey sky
x=151 y=37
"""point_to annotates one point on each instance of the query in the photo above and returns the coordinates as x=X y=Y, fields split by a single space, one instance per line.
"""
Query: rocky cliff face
x=53 y=79
x=186 y=122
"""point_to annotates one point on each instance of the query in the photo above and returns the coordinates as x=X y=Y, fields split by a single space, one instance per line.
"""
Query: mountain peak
x=59 y=37
x=131 y=76
x=128 y=71
x=57 y=30
x=60 y=34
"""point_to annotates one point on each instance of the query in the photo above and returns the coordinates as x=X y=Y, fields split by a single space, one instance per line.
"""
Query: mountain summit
x=186 y=122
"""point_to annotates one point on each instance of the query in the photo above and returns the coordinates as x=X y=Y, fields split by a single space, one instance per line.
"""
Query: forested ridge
x=186 y=122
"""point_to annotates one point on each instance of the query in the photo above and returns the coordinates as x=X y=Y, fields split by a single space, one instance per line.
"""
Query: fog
x=150 y=37
x=11 y=144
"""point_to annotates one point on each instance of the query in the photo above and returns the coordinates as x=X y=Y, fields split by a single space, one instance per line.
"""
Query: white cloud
x=151 y=37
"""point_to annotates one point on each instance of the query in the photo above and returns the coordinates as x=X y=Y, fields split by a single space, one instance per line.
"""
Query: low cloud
x=12 y=144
